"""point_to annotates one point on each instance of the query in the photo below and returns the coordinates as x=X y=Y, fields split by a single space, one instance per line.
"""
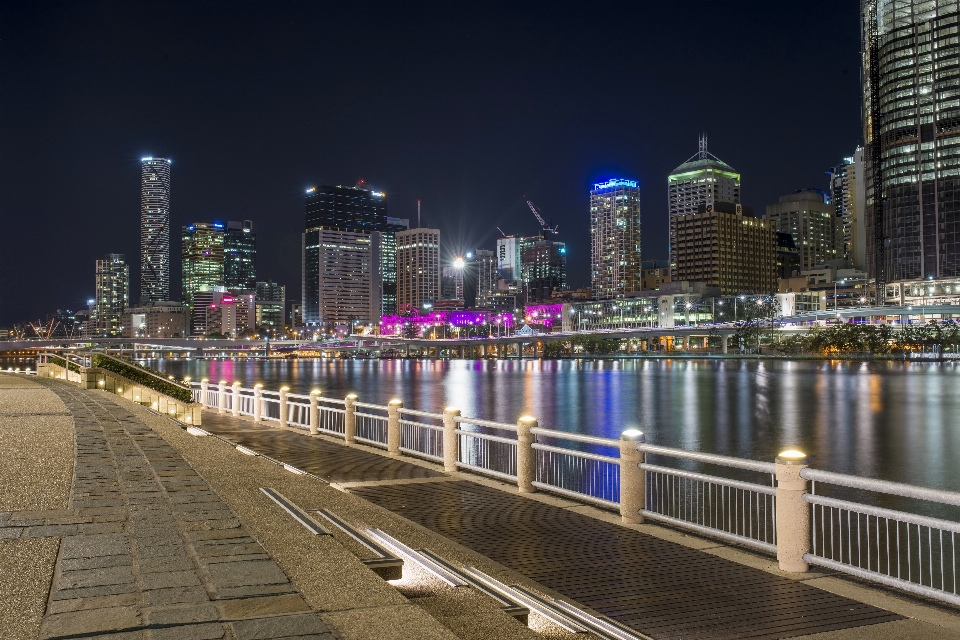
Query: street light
x=835 y=293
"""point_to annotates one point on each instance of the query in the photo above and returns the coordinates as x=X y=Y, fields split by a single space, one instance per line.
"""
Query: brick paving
x=148 y=549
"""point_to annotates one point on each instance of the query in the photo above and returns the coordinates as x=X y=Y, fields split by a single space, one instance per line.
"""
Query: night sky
x=465 y=108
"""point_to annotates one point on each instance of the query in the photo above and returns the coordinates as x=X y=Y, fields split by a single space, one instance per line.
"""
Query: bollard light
x=101 y=383
x=792 y=456
x=186 y=379
x=632 y=434
x=119 y=389
x=156 y=404
x=315 y=392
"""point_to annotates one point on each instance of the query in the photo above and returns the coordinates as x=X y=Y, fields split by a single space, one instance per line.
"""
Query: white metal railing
x=746 y=502
x=593 y=477
x=723 y=507
x=908 y=551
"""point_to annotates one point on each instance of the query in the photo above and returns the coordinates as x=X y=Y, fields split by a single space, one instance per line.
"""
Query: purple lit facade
x=544 y=314
x=390 y=325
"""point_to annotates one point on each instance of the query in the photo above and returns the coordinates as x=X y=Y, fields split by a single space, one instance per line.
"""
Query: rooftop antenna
x=703 y=146
x=418 y=214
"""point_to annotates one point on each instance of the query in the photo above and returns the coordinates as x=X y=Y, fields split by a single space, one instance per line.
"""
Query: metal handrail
x=880 y=512
x=711 y=458
x=881 y=486
x=733 y=484
x=485 y=423
x=485 y=436
x=575 y=453
x=425 y=414
x=576 y=437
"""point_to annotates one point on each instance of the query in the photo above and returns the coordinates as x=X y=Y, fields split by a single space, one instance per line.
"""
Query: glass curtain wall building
x=239 y=256
x=202 y=259
x=154 y=229
x=911 y=108
x=615 y=267
x=544 y=270
x=113 y=293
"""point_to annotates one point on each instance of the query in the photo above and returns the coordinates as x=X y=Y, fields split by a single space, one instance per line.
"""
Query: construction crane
x=543 y=223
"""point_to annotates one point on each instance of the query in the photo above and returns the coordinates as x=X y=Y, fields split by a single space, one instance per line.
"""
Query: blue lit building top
x=615 y=182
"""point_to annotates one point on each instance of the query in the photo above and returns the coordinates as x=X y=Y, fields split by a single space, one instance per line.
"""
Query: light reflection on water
x=893 y=420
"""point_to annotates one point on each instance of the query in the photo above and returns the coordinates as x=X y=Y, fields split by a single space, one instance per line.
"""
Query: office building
x=348 y=222
x=418 y=268
x=655 y=273
x=510 y=254
x=788 y=256
x=544 y=267
x=911 y=130
x=810 y=218
x=165 y=319
x=702 y=180
x=615 y=239
x=451 y=284
x=847 y=184
x=154 y=229
x=271 y=299
x=201 y=259
x=112 y=295
x=239 y=256
x=722 y=248
x=487 y=276
x=220 y=312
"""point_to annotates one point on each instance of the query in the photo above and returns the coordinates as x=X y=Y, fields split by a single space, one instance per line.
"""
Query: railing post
x=793 y=514
x=393 y=427
x=314 y=412
x=204 y=387
x=283 y=406
x=350 y=418
x=235 y=407
x=633 y=479
x=257 y=402
x=222 y=397
x=451 y=443
x=526 y=454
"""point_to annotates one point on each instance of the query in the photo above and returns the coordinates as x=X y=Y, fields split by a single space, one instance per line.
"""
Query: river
x=884 y=419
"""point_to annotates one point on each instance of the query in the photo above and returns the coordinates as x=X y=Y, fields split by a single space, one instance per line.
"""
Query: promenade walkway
x=117 y=524
x=658 y=587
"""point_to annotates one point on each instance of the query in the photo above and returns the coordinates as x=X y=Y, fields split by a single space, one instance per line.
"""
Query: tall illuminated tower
x=615 y=239
x=911 y=131
x=154 y=229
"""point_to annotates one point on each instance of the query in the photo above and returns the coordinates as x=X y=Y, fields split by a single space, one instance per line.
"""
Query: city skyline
x=413 y=145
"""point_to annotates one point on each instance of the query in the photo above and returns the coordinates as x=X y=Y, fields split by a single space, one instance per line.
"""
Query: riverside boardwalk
x=115 y=523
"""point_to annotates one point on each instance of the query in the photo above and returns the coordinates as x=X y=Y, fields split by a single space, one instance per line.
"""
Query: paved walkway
x=148 y=549
x=660 y=588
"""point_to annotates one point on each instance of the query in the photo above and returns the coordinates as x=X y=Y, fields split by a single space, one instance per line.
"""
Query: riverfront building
x=847 y=184
x=655 y=273
x=510 y=256
x=239 y=256
x=487 y=276
x=615 y=266
x=723 y=248
x=418 y=268
x=112 y=295
x=700 y=181
x=811 y=219
x=349 y=256
x=202 y=259
x=154 y=229
x=544 y=267
x=911 y=129
x=271 y=301
x=158 y=320
x=222 y=312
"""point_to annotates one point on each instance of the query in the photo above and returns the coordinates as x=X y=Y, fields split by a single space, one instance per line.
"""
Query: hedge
x=140 y=375
x=60 y=361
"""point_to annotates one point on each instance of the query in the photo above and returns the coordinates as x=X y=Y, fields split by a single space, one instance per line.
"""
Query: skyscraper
x=911 y=131
x=271 y=299
x=346 y=222
x=418 y=268
x=486 y=276
x=112 y=295
x=202 y=258
x=811 y=218
x=847 y=185
x=701 y=180
x=544 y=266
x=239 y=256
x=615 y=238
x=154 y=229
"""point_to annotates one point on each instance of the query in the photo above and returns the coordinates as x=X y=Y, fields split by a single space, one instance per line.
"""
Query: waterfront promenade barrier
x=801 y=515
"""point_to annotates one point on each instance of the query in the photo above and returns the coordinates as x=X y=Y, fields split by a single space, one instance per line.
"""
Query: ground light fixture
x=792 y=456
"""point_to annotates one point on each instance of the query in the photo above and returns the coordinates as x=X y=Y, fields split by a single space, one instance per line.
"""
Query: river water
x=883 y=419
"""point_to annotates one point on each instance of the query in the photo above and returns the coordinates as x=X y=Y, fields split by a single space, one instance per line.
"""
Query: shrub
x=60 y=362
x=144 y=377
